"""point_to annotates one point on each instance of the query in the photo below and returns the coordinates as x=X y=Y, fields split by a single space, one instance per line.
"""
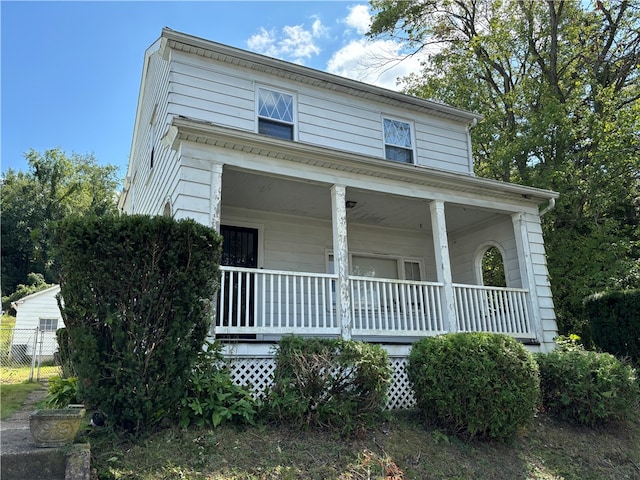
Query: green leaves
x=588 y=388
x=133 y=289
x=56 y=185
x=328 y=383
x=211 y=397
x=475 y=384
x=62 y=392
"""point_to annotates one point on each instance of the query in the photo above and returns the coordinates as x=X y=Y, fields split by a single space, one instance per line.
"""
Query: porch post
x=526 y=271
x=341 y=259
x=216 y=196
x=443 y=263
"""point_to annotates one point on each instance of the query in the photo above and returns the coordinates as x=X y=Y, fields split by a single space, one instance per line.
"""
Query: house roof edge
x=323 y=78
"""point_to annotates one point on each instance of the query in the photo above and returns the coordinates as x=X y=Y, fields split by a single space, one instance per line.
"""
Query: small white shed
x=37 y=311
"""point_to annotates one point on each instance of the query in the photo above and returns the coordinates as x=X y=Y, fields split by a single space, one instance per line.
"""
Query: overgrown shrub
x=587 y=387
x=62 y=392
x=211 y=397
x=328 y=383
x=137 y=308
x=475 y=384
x=614 y=318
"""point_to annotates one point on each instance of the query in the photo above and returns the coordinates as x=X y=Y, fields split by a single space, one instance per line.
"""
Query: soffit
x=206 y=133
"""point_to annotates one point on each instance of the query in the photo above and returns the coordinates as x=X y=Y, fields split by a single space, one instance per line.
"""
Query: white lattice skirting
x=257 y=374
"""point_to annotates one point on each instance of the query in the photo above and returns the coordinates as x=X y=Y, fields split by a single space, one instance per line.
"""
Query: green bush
x=587 y=387
x=614 y=318
x=62 y=392
x=211 y=397
x=328 y=383
x=475 y=384
x=137 y=308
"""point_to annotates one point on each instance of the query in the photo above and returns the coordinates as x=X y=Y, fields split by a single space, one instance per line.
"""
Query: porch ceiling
x=244 y=189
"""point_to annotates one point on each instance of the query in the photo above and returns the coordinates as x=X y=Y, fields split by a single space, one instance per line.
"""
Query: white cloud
x=359 y=18
x=378 y=62
x=293 y=42
x=263 y=42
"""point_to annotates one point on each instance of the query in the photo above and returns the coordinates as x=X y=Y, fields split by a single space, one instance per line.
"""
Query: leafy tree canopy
x=558 y=85
x=55 y=185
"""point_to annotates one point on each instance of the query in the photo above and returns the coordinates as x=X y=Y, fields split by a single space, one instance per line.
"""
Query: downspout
x=550 y=206
x=472 y=124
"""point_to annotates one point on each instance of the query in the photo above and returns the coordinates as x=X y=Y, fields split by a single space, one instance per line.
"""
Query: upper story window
x=275 y=113
x=398 y=146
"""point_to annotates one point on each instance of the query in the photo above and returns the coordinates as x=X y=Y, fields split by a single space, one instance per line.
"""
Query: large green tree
x=557 y=83
x=55 y=185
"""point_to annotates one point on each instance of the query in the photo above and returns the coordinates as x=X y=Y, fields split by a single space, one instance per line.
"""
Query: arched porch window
x=490 y=269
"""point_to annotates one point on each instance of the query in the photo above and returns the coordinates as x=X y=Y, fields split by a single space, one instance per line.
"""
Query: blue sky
x=70 y=71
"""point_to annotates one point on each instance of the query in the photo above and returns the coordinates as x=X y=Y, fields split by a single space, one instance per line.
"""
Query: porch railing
x=492 y=309
x=253 y=301
x=395 y=307
x=271 y=302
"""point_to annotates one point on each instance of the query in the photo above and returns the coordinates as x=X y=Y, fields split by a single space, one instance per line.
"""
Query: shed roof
x=52 y=289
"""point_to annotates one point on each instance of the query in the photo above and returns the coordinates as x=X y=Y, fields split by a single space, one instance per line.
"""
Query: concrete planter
x=55 y=428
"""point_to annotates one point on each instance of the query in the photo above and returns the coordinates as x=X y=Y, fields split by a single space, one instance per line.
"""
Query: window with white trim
x=275 y=113
x=48 y=324
x=398 y=143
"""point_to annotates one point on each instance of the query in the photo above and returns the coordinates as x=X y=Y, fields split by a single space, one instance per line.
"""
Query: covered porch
x=379 y=262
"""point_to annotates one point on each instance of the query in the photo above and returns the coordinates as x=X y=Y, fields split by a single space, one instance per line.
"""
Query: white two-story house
x=346 y=209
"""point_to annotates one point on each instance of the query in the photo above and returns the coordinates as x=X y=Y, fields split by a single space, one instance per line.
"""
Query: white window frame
x=294 y=114
x=46 y=320
x=412 y=139
x=400 y=260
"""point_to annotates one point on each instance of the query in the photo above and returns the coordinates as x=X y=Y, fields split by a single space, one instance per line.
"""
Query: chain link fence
x=28 y=354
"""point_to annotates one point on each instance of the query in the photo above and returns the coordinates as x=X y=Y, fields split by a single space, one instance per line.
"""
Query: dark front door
x=239 y=249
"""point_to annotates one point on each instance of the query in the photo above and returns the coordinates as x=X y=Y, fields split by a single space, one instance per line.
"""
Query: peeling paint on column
x=341 y=258
x=216 y=195
x=443 y=261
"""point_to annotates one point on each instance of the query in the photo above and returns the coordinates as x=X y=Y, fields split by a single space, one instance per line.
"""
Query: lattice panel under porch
x=254 y=373
x=400 y=394
x=257 y=374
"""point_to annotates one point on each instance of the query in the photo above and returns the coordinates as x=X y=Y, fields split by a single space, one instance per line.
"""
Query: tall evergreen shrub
x=137 y=296
x=614 y=318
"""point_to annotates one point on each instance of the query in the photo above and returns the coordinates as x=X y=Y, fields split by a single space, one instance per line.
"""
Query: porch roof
x=206 y=133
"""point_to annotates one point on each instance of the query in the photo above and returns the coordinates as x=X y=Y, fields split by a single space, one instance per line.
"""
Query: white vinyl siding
x=35 y=311
x=226 y=95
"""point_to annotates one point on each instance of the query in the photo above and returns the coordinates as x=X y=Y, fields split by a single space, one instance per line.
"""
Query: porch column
x=526 y=271
x=443 y=263
x=341 y=259
x=215 y=196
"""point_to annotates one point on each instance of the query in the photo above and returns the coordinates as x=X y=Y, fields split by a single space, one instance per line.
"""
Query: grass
x=401 y=448
x=13 y=396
